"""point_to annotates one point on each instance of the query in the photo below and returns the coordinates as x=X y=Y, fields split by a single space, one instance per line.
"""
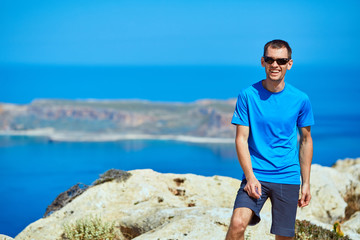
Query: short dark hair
x=277 y=43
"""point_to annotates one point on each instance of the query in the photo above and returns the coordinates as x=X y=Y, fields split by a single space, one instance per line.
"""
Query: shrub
x=90 y=228
x=304 y=230
x=112 y=174
x=65 y=197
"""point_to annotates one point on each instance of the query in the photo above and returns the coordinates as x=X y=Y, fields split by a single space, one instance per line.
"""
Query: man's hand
x=253 y=188
x=305 y=196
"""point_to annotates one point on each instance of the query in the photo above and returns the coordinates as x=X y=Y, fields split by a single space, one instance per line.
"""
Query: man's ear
x=289 y=65
x=262 y=62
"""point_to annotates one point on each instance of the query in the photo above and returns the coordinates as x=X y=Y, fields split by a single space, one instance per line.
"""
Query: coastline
x=55 y=136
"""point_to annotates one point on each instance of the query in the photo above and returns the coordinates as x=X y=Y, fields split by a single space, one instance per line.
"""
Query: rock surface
x=151 y=205
x=4 y=237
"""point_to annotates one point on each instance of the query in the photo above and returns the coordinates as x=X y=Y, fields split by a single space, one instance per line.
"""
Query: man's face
x=274 y=71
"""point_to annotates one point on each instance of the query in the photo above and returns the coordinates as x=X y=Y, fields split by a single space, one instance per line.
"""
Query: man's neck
x=273 y=86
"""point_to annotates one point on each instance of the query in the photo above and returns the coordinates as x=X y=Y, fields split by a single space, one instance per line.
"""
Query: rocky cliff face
x=151 y=205
x=206 y=118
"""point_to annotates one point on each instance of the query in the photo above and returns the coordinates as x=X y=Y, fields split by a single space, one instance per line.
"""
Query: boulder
x=137 y=197
x=350 y=167
x=327 y=204
x=151 y=205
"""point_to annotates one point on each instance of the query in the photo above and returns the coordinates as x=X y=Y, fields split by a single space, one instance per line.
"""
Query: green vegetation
x=304 y=230
x=90 y=228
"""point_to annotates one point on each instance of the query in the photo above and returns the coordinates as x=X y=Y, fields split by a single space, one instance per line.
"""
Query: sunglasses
x=280 y=61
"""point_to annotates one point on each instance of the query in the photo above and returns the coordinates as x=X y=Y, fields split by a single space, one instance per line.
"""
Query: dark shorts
x=284 y=199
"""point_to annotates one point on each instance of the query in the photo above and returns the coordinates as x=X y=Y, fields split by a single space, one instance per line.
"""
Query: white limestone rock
x=327 y=204
x=4 y=237
x=143 y=191
x=151 y=205
x=351 y=168
x=190 y=223
x=352 y=226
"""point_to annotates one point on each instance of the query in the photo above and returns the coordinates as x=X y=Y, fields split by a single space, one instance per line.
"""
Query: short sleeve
x=241 y=116
x=306 y=117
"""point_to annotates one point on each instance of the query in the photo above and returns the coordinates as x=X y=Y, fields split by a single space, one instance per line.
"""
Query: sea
x=34 y=170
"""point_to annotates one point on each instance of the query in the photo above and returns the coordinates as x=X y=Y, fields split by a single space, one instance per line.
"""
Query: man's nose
x=274 y=64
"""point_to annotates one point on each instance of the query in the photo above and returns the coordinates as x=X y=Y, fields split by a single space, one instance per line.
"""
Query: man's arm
x=305 y=158
x=253 y=186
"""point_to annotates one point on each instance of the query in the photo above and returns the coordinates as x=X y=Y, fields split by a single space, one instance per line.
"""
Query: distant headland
x=203 y=121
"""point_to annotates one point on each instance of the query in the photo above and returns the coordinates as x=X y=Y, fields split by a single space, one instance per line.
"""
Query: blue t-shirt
x=273 y=119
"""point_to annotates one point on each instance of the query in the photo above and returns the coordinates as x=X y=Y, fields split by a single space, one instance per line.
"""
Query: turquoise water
x=33 y=171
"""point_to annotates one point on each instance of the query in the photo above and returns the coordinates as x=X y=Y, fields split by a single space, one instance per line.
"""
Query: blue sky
x=133 y=32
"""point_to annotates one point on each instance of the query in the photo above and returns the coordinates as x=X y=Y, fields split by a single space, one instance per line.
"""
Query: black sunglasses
x=280 y=61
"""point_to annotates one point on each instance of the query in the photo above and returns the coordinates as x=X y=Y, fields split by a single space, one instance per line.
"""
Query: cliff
x=150 y=205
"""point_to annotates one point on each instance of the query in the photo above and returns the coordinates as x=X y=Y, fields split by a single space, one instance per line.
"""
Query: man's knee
x=240 y=220
x=238 y=224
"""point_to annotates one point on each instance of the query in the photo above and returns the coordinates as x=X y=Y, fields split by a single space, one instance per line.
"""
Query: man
x=267 y=116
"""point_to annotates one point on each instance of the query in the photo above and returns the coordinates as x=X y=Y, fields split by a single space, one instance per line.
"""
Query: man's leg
x=239 y=221
x=246 y=212
x=284 y=200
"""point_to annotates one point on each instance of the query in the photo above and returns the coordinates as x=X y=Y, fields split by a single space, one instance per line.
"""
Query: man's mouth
x=275 y=71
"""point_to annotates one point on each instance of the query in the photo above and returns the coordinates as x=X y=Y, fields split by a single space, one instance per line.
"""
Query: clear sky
x=155 y=32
